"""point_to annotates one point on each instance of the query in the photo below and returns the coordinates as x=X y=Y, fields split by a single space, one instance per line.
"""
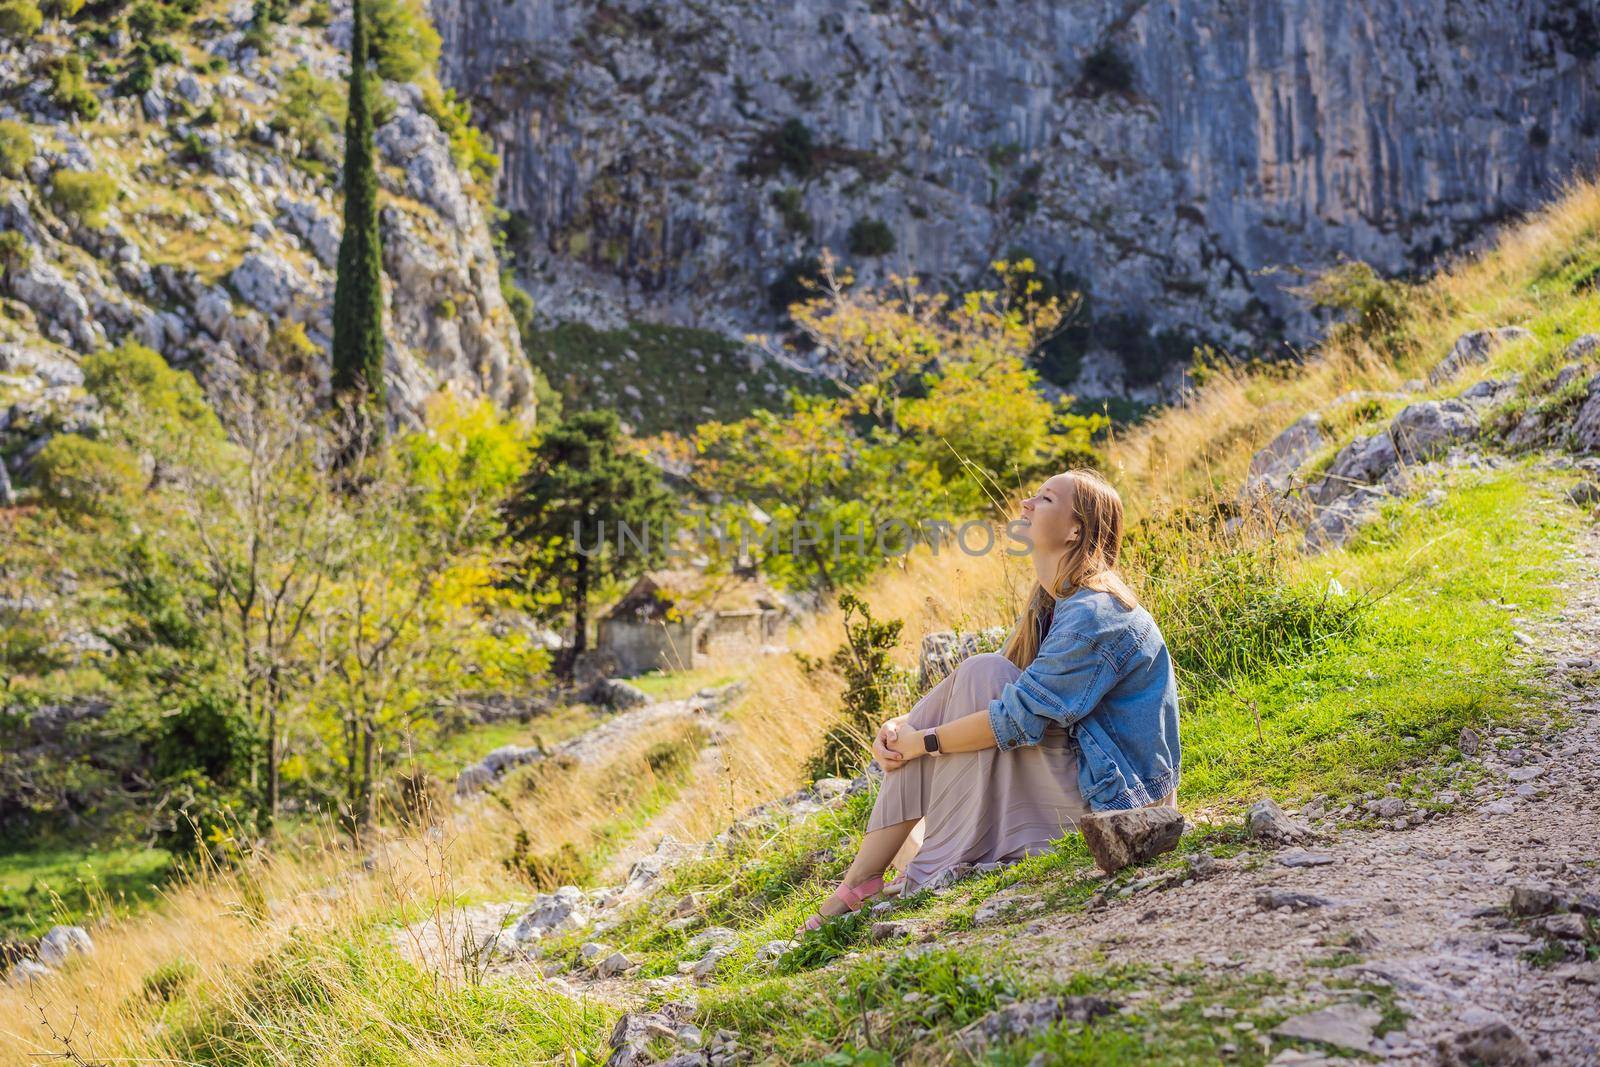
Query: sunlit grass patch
x=1433 y=653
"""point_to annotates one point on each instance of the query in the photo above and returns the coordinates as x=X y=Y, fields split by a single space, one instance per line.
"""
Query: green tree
x=582 y=485
x=19 y=19
x=358 y=289
x=405 y=45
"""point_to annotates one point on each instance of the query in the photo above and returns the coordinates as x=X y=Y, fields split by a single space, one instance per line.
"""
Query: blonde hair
x=1090 y=563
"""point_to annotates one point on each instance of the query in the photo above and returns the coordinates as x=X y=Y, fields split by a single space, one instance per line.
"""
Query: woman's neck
x=1046 y=567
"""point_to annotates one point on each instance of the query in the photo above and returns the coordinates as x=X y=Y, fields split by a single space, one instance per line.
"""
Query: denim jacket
x=1102 y=672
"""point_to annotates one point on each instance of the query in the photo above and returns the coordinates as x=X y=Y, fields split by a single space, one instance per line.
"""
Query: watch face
x=930 y=741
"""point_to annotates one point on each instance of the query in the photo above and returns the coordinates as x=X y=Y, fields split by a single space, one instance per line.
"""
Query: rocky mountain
x=189 y=204
x=1183 y=162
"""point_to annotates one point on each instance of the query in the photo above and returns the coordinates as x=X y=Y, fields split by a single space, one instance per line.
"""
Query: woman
x=1080 y=713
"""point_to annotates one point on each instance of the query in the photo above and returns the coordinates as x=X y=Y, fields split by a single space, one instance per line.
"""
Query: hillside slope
x=197 y=215
x=1413 y=692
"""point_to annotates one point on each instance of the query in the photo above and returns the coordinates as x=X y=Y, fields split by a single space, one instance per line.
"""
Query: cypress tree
x=358 y=289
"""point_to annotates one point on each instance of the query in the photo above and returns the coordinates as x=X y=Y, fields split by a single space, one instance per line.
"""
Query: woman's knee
x=988 y=672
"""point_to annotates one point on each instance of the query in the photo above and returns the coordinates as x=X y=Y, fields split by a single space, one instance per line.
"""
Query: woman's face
x=1050 y=515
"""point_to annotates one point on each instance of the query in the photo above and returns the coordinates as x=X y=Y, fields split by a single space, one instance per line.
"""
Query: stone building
x=682 y=619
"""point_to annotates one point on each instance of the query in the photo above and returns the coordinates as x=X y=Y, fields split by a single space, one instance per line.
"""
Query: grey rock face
x=1334 y=524
x=1586 y=427
x=1249 y=135
x=1361 y=462
x=1472 y=349
x=1427 y=429
x=1272 y=469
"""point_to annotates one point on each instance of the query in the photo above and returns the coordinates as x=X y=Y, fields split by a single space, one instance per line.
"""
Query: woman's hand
x=882 y=746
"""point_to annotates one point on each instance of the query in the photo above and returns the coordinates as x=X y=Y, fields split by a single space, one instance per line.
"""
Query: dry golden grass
x=226 y=923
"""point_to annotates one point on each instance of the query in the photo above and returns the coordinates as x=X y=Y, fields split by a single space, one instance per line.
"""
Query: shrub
x=796 y=283
x=62 y=9
x=19 y=19
x=83 y=194
x=870 y=237
x=445 y=309
x=1374 y=308
x=292 y=350
x=81 y=476
x=318 y=15
x=875 y=689
x=70 y=91
x=1107 y=70
x=16 y=149
x=133 y=382
x=404 y=43
x=470 y=149
x=15 y=252
x=311 y=110
x=789 y=147
x=788 y=203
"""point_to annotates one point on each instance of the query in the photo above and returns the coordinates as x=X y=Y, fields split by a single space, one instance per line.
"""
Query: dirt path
x=1424 y=908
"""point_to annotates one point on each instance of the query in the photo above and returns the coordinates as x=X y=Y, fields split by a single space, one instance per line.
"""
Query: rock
x=1524 y=774
x=1567 y=925
x=1347 y=1026
x=561 y=910
x=1386 y=807
x=614 y=964
x=943 y=651
x=707 y=964
x=828 y=788
x=1488 y=1043
x=1030 y=1016
x=1426 y=429
x=25 y=972
x=1000 y=907
x=1333 y=525
x=1267 y=822
x=192 y=90
x=591 y=949
x=1583 y=494
x=1586 y=427
x=473 y=779
x=268 y=283
x=1500 y=807
x=712 y=935
x=1117 y=839
x=1293 y=899
x=772 y=950
x=632 y=1035
x=1273 y=468
x=1529 y=900
x=1473 y=349
x=62 y=943
x=1580 y=973
x=616 y=695
x=1468 y=741
x=893 y=930
x=1299 y=857
x=1361 y=462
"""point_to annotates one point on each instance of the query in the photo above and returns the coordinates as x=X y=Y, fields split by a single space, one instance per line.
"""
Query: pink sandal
x=851 y=898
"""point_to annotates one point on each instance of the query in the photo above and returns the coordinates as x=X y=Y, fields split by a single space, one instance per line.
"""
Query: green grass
x=59 y=882
x=683 y=377
x=1433 y=652
x=677 y=685
x=454 y=749
x=349 y=999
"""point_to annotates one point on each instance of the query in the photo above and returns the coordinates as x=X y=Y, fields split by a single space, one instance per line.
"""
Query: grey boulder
x=1427 y=429
x=1117 y=839
x=1472 y=349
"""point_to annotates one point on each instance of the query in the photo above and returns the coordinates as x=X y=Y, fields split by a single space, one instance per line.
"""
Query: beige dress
x=978 y=807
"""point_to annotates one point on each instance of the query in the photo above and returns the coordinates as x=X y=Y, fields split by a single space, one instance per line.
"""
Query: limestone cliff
x=1181 y=160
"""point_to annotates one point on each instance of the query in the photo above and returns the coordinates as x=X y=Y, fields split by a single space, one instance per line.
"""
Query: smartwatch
x=930 y=741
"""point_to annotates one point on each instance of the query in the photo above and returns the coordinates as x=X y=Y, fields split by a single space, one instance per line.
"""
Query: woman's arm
x=970 y=733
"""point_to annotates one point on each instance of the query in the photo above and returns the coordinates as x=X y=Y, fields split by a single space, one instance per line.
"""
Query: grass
x=454 y=749
x=63 y=882
x=1353 y=714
